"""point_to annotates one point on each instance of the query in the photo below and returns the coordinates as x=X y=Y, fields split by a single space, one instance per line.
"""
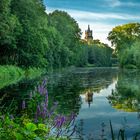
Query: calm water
x=95 y=95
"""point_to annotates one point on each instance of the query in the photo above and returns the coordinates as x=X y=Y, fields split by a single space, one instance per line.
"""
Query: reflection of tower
x=89 y=97
x=88 y=34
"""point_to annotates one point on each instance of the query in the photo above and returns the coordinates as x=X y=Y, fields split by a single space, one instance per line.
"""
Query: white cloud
x=83 y=15
x=113 y=3
x=97 y=21
x=118 y=3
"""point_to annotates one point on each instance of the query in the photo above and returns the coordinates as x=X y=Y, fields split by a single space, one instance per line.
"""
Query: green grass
x=12 y=74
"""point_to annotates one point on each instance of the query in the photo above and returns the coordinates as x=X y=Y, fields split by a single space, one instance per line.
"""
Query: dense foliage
x=31 y=37
x=94 y=54
x=27 y=39
x=70 y=33
x=125 y=39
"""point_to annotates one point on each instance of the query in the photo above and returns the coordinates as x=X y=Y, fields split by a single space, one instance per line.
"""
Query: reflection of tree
x=126 y=96
x=98 y=79
x=15 y=94
x=66 y=91
x=64 y=87
x=67 y=88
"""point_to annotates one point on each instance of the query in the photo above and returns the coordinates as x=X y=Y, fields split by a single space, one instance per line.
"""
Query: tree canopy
x=125 y=38
x=29 y=37
x=124 y=35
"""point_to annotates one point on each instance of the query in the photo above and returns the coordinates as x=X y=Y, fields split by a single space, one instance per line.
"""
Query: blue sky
x=101 y=15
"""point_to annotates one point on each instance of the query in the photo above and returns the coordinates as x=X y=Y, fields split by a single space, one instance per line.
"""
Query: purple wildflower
x=53 y=108
x=38 y=110
x=36 y=117
x=37 y=114
x=46 y=93
x=73 y=116
x=59 y=121
x=46 y=101
x=71 y=119
x=44 y=111
x=44 y=82
x=42 y=90
x=39 y=89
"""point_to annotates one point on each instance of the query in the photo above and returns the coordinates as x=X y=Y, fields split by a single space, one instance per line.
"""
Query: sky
x=101 y=15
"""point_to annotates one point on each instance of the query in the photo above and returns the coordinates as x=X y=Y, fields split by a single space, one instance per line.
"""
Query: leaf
x=18 y=136
x=42 y=126
x=31 y=127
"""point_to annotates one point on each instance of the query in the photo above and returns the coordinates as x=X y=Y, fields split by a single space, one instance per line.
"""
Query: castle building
x=88 y=34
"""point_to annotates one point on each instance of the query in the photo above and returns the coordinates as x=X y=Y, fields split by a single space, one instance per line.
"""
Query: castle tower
x=88 y=34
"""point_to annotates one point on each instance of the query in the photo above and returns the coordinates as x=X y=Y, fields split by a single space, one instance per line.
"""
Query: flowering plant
x=37 y=120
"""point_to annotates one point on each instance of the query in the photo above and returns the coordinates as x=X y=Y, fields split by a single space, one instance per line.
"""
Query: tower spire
x=88 y=34
x=88 y=27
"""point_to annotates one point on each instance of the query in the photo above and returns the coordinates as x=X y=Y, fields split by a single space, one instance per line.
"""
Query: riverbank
x=12 y=74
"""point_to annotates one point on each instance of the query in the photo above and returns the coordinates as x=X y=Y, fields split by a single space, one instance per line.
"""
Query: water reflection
x=66 y=88
x=126 y=95
x=89 y=97
x=80 y=89
x=95 y=95
x=11 y=97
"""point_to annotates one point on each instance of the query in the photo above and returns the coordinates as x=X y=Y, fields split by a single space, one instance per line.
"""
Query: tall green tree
x=32 y=43
x=67 y=27
x=55 y=42
x=10 y=29
x=124 y=39
x=124 y=36
x=100 y=54
x=69 y=30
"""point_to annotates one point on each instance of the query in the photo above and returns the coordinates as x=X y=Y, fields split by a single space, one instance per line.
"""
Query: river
x=96 y=95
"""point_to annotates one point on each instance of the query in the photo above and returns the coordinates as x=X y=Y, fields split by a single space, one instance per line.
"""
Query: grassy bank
x=13 y=74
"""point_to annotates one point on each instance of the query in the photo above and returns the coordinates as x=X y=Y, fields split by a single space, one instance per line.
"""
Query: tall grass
x=121 y=135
